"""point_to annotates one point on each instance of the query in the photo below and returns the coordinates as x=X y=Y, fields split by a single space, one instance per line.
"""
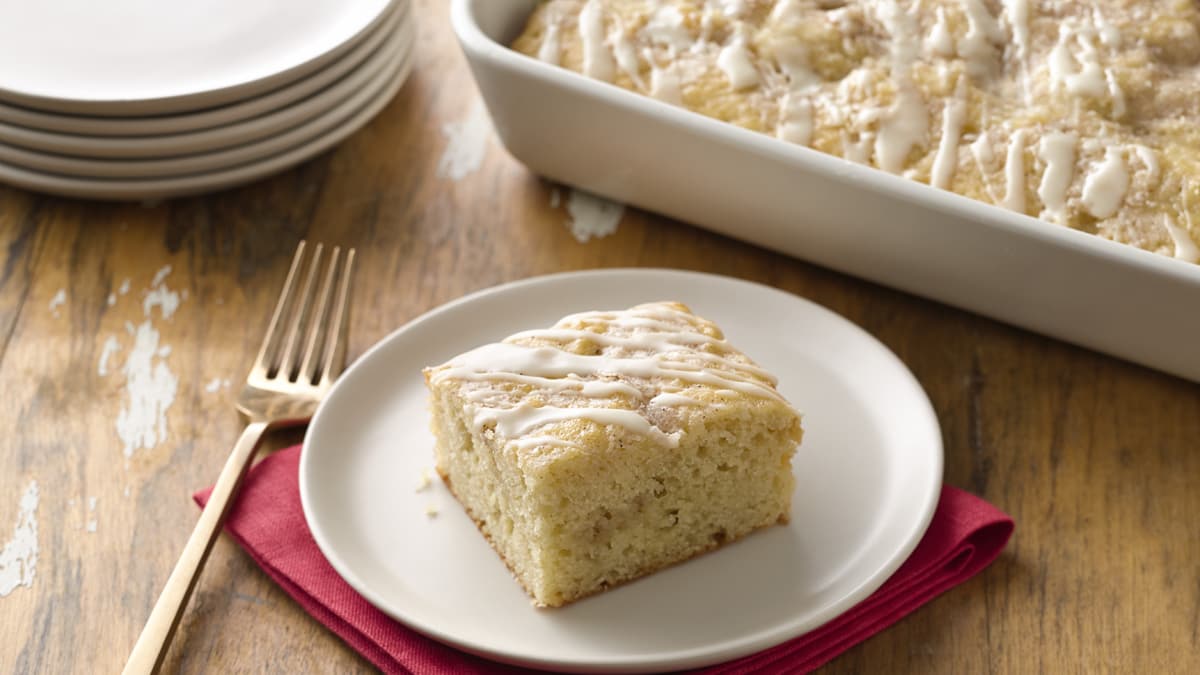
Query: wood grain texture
x=1096 y=459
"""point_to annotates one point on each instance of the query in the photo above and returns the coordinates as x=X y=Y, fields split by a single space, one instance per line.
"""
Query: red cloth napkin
x=965 y=536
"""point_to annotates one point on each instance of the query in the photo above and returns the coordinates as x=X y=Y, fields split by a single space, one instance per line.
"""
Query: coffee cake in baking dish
x=1083 y=114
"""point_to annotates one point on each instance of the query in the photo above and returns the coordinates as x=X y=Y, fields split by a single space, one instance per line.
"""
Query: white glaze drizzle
x=858 y=151
x=796 y=119
x=1149 y=160
x=665 y=85
x=661 y=344
x=560 y=385
x=1014 y=173
x=545 y=441
x=978 y=46
x=940 y=41
x=786 y=11
x=1115 y=93
x=515 y=422
x=1185 y=247
x=981 y=150
x=666 y=28
x=734 y=61
x=637 y=341
x=792 y=59
x=946 y=160
x=1057 y=150
x=626 y=54
x=1078 y=75
x=1017 y=13
x=907 y=120
x=1104 y=188
x=673 y=400
x=597 y=60
x=650 y=342
x=549 y=50
x=1109 y=35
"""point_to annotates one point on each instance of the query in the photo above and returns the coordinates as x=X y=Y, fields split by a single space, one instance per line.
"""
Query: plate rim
x=234 y=90
x=285 y=96
x=660 y=661
x=298 y=125
x=134 y=189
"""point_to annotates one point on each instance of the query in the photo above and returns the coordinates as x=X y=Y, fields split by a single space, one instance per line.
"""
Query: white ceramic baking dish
x=1070 y=285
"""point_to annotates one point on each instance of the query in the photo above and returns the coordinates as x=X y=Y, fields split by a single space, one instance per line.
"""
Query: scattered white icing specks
x=18 y=559
x=466 y=144
x=592 y=216
x=112 y=299
x=59 y=299
x=124 y=287
x=111 y=346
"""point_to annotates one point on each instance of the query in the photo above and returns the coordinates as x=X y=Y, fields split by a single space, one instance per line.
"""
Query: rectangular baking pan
x=1074 y=286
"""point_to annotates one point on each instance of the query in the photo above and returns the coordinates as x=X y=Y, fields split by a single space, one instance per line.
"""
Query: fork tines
x=309 y=315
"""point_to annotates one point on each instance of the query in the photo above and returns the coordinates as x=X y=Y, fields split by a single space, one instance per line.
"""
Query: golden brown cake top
x=1084 y=114
x=638 y=370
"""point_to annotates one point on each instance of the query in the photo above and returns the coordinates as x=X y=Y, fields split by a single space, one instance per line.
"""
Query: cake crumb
x=431 y=511
x=425 y=481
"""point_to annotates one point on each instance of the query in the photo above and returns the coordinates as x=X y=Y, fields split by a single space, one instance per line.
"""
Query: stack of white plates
x=133 y=99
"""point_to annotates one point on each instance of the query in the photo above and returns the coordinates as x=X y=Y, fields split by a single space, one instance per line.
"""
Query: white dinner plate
x=208 y=118
x=132 y=57
x=71 y=146
x=868 y=478
x=162 y=188
x=344 y=99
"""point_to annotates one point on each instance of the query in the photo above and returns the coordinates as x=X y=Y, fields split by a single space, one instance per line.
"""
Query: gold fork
x=283 y=389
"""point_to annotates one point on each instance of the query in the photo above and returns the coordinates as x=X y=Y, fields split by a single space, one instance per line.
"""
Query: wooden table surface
x=125 y=330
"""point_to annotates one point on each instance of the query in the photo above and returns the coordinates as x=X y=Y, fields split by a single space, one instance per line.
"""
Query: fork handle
x=152 y=644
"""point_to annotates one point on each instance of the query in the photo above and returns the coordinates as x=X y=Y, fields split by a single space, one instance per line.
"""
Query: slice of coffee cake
x=612 y=445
